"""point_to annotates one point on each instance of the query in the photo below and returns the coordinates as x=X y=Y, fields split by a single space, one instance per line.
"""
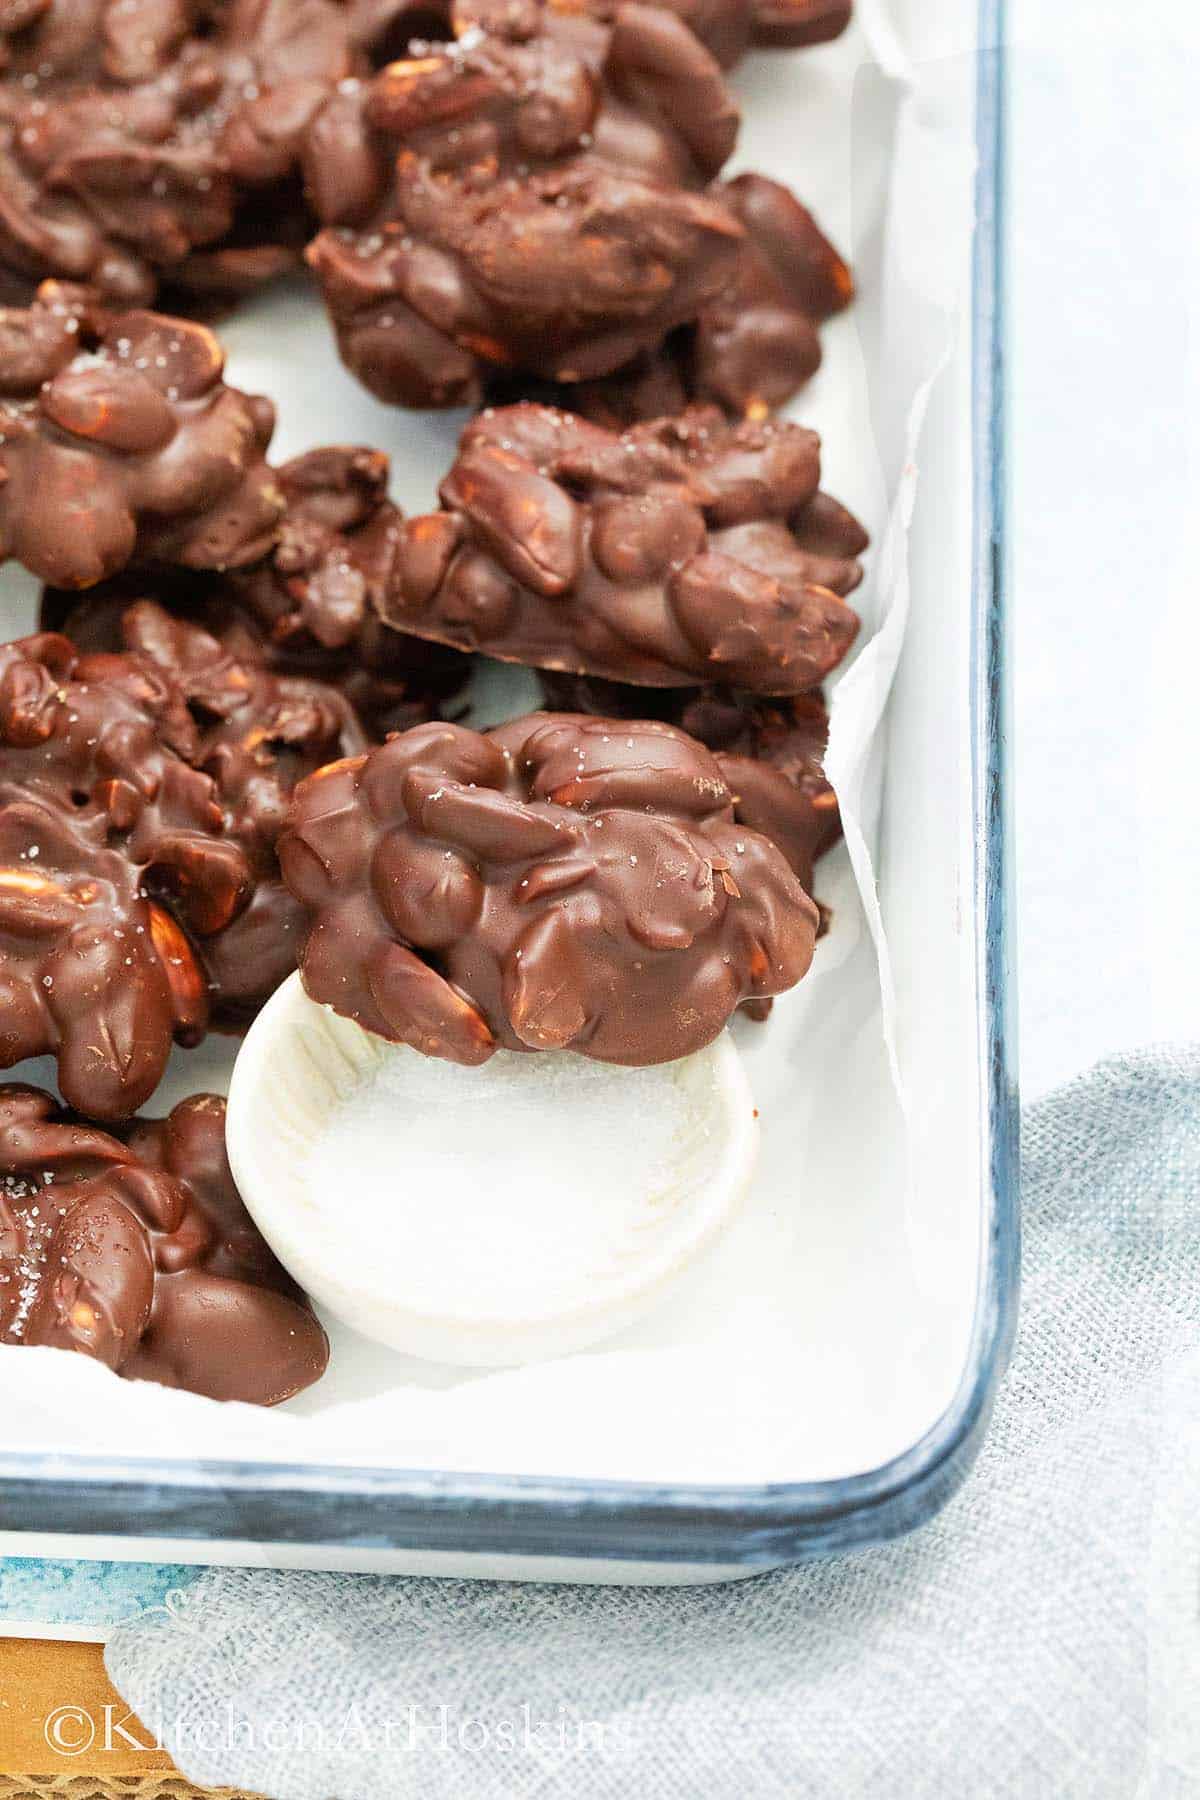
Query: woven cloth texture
x=1040 y=1636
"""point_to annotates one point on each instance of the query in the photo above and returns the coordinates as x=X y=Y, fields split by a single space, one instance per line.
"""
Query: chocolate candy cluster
x=258 y=734
x=137 y=1250
x=531 y=199
x=308 y=608
x=749 y=349
x=528 y=200
x=120 y=439
x=558 y=883
x=681 y=551
x=235 y=748
x=114 y=864
x=143 y=143
x=531 y=195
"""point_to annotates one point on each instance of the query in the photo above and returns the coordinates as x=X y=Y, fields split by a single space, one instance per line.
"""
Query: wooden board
x=65 y=1731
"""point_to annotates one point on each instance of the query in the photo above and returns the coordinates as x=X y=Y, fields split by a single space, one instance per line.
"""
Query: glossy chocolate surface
x=258 y=734
x=771 y=753
x=138 y=1251
x=756 y=344
x=559 y=883
x=144 y=143
x=309 y=607
x=678 y=552
x=524 y=197
x=114 y=862
x=132 y=445
x=751 y=348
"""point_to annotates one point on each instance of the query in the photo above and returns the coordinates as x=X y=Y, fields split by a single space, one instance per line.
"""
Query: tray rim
x=742 y=1528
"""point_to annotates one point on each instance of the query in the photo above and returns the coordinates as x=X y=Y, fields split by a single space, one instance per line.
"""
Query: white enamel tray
x=827 y=1380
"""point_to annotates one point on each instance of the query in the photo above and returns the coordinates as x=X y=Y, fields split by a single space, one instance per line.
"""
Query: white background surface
x=1104 y=388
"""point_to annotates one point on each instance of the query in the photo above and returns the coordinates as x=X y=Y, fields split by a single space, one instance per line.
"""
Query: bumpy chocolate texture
x=557 y=883
x=308 y=609
x=315 y=599
x=139 y=1253
x=523 y=200
x=143 y=141
x=258 y=735
x=771 y=753
x=113 y=859
x=255 y=733
x=676 y=553
x=726 y=27
x=120 y=439
x=753 y=347
x=757 y=343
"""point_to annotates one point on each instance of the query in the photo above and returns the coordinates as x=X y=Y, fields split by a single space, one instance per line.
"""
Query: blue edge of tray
x=748 y=1527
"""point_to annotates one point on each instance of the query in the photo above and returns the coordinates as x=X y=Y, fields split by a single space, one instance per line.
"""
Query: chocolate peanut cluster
x=132 y=445
x=771 y=752
x=309 y=608
x=148 y=148
x=263 y=716
x=558 y=883
x=527 y=206
x=527 y=199
x=114 y=863
x=258 y=734
x=137 y=1251
x=315 y=600
x=141 y=799
x=683 y=551
x=144 y=143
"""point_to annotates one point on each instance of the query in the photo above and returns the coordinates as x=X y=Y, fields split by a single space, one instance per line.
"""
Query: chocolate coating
x=726 y=27
x=38 y=340
x=751 y=348
x=756 y=344
x=255 y=733
x=657 y=384
x=664 y=556
x=149 y=147
x=794 y=24
x=523 y=202
x=135 y=135
x=138 y=1251
x=315 y=598
x=133 y=447
x=258 y=735
x=559 y=883
x=308 y=609
x=722 y=26
x=771 y=753
x=113 y=862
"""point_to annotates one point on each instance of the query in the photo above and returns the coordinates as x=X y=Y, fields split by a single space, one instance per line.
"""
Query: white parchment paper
x=831 y=1327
